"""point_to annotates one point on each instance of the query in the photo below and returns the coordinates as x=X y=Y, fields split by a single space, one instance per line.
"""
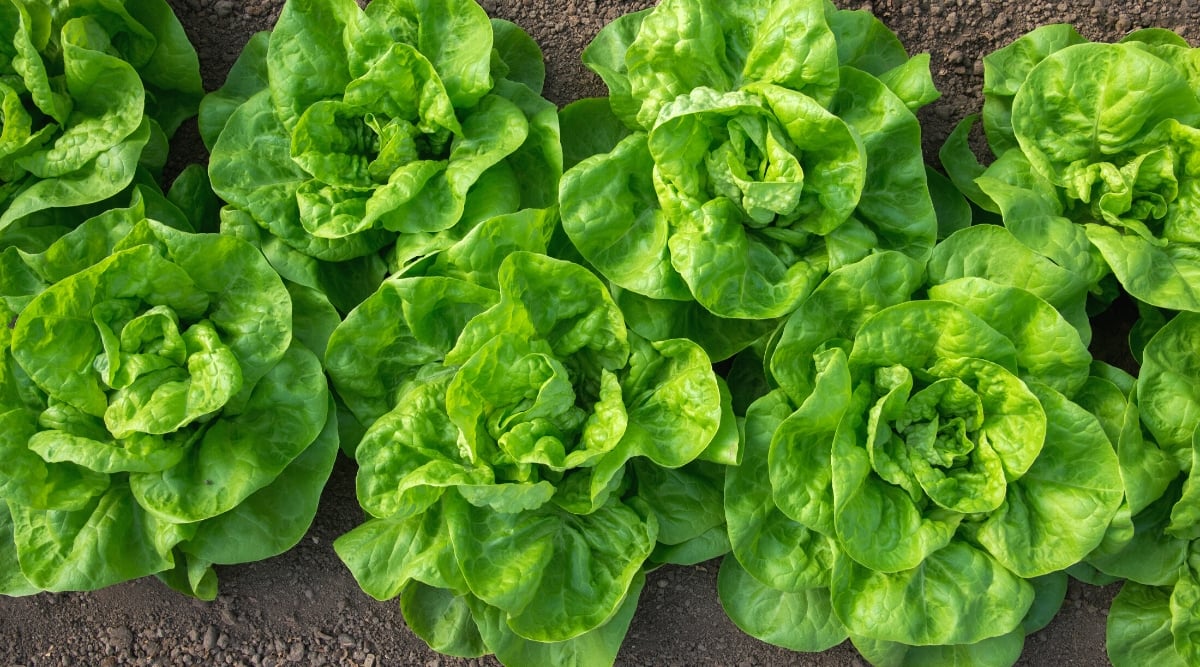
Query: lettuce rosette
x=351 y=136
x=527 y=458
x=921 y=476
x=161 y=414
x=764 y=144
x=1154 y=545
x=1095 y=158
x=90 y=92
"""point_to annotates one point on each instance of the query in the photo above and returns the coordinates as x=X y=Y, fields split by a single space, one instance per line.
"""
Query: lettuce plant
x=89 y=91
x=527 y=458
x=1095 y=163
x=159 y=412
x=920 y=477
x=347 y=135
x=1155 y=543
x=766 y=143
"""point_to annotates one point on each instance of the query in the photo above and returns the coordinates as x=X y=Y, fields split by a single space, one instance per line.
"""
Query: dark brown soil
x=304 y=607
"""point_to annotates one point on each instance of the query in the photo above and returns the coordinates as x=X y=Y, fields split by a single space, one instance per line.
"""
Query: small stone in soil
x=210 y=638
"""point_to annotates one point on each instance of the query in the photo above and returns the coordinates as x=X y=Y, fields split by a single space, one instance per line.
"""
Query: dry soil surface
x=304 y=607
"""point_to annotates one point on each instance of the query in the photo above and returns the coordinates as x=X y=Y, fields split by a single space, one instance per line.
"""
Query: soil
x=303 y=607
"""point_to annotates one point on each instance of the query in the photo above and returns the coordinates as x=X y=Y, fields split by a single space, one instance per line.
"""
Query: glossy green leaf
x=589 y=127
x=895 y=208
x=443 y=619
x=1049 y=350
x=394 y=328
x=992 y=252
x=998 y=651
x=519 y=53
x=802 y=620
x=605 y=55
x=686 y=501
x=1139 y=628
x=557 y=301
x=110 y=540
x=283 y=414
x=1168 y=389
x=957 y=595
x=410 y=454
x=1006 y=69
x=918 y=334
x=12 y=582
x=274 y=518
x=1075 y=481
x=1049 y=592
x=835 y=310
x=562 y=575
x=617 y=223
x=800 y=458
x=662 y=319
x=1151 y=555
x=595 y=647
x=1047 y=124
x=247 y=76
x=771 y=547
x=1184 y=597
x=385 y=555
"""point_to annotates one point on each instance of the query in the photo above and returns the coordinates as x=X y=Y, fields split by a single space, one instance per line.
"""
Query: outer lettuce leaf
x=397 y=348
x=835 y=310
x=1075 y=481
x=1007 y=68
x=782 y=43
x=598 y=646
x=559 y=578
x=1114 y=71
x=443 y=619
x=110 y=540
x=782 y=553
x=589 y=127
x=1000 y=651
x=659 y=319
x=1027 y=321
x=623 y=230
x=1147 y=554
x=992 y=252
x=771 y=614
x=687 y=505
x=606 y=56
x=13 y=583
x=247 y=76
x=274 y=518
x=1139 y=627
x=978 y=599
x=383 y=569
x=1168 y=394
